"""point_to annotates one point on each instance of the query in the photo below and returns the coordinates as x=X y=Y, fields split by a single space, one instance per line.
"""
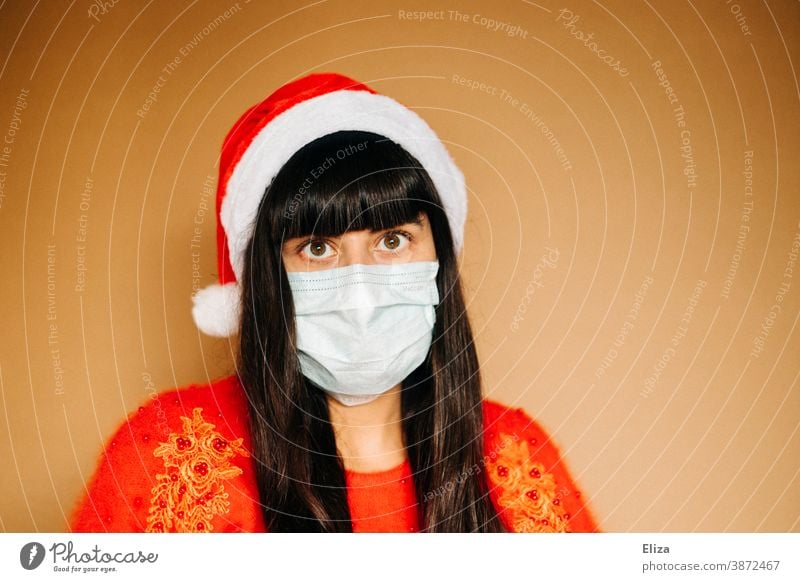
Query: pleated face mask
x=362 y=329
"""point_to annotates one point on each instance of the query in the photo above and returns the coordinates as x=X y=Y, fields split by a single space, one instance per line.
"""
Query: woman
x=357 y=404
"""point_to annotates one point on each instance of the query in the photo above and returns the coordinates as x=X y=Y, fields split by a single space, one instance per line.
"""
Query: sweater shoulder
x=221 y=401
x=502 y=418
x=146 y=444
x=530 y=483
x=504 y=425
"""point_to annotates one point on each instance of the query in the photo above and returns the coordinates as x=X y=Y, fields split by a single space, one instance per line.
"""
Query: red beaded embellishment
x=527 y=494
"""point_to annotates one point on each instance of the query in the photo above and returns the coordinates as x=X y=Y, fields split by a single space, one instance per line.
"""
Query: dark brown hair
x=330 y=186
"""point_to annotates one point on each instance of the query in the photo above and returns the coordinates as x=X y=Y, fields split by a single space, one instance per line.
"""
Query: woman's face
x=412 y=241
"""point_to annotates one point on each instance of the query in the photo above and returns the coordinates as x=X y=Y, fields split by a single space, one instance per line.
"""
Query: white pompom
x=216 y=309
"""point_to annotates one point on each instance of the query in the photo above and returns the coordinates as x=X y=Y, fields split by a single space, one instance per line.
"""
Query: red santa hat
x=269 y=133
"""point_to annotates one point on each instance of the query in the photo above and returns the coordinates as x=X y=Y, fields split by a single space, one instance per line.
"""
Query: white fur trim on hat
x=216 y=309
x=301 y=124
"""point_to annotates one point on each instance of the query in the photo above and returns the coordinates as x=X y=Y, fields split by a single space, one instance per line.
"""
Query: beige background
x=707 y=441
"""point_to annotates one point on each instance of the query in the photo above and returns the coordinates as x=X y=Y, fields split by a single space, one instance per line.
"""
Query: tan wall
x=709 y=442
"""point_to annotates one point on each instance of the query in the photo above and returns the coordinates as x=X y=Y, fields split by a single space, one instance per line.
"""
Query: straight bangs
x=346 y=181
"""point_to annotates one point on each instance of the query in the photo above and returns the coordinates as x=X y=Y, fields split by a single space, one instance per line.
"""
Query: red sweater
x=182 y=463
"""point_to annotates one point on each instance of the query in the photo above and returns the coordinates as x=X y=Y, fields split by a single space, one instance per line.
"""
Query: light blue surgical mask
x=362 y=329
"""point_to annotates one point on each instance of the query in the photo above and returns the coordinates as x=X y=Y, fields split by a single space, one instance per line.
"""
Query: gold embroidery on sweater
x=527 y=494
x=191 y=492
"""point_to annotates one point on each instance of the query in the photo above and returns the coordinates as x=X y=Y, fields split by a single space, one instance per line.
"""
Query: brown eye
x=317 y=248
x=395 y=241
x=392 y=241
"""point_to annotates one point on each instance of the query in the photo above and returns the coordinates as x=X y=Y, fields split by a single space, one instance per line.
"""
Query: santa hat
x=269 y=133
